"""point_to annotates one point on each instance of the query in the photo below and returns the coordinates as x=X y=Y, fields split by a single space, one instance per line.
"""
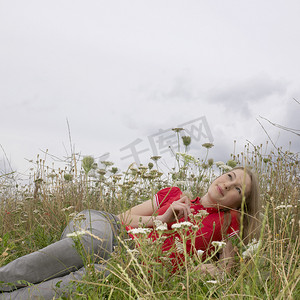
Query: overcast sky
x=126 y=71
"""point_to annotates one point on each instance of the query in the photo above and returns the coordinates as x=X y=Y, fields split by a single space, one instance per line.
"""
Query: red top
x=204 y=236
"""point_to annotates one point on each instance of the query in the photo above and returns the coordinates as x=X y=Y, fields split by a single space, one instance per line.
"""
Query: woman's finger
x=182 y=208
x=184 y=199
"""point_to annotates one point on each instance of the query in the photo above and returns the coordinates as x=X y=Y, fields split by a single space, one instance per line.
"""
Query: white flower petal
x=140 y=230
x=76 y=234
x=218 y=244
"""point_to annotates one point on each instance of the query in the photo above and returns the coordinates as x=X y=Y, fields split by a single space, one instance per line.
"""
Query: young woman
x=59 y=263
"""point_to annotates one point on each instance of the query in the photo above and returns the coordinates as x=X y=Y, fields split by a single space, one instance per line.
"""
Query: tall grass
x=34 y=215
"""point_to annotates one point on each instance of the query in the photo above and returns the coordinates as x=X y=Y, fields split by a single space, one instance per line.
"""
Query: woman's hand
x=177 y=210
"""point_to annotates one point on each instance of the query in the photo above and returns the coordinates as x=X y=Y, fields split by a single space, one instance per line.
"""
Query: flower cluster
x=218 y=245
x=283 y=207
x=225 y=168
x=160 y=226
x=76 y=234
x=67 y=208
x=182 y=225
x=188 y=157
x=139 y=230
x=251 y=250
x=201 y=214
x=219 y=163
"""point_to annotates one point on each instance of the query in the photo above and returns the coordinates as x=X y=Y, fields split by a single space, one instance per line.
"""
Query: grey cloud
x=240 y=96
x=292 y=114
x=291 y=121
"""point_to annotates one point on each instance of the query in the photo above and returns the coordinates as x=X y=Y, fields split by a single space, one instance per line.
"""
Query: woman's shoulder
x=171 y=191
x=167 y=194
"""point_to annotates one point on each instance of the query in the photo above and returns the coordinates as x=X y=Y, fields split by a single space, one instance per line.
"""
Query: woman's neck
x=206 y=201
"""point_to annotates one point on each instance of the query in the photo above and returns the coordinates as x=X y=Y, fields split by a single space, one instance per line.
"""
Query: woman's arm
x=225 y=262
x=145 y=213
x=140 y=214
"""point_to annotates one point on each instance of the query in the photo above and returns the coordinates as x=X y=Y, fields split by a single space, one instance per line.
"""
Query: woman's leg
x=61 y=258
x=56 y=287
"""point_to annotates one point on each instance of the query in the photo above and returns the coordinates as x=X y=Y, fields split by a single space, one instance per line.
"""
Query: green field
x=34 y=215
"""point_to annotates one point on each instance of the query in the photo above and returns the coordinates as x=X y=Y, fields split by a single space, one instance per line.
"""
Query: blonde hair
x=251 y=208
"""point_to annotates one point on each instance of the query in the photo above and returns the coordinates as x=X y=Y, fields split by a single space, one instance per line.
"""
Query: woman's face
x=226 y=191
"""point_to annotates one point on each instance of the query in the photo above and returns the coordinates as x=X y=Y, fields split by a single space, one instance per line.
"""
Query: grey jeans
x=60 y=262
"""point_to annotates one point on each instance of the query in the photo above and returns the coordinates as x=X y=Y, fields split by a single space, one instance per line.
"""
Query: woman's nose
x=227 y=186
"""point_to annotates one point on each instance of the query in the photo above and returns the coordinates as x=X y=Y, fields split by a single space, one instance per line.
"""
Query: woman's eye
x=239 y=190
x=230 y=176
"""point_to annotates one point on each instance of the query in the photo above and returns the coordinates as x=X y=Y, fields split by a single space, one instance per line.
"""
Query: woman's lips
x=220 y=190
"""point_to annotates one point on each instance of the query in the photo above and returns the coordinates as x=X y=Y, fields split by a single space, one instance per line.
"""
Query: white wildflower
x=139 y=230
x=219 y=163
x=283 y=206
x=195 y=228
x=200 y=215
x=185 y=224
x=79 y=217
x=76 y=234
x=36 y=211
x=226 y=168
x=157 y=222
x=72 y=215
x=251 y=250
x=218 y=245
x=200 y=252
x=176 y=226
x=67 y=208
x=160 y=226
x=212 y=281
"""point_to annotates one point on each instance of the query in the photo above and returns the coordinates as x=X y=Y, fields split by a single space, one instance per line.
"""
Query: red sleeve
x=234 y=226
x=165 y=197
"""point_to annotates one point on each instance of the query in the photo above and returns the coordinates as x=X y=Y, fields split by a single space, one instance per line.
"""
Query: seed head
x=88 y=163
x=186 y=140
x=114 y=170
x=68 y=177
x=107 y=163
x=156 y=157
x=207 y=145
x=210 y=161
x=232 y=163
x=178 y=129
x=101 y=171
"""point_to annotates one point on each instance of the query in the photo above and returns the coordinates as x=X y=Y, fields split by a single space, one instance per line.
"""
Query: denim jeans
x=60 y=261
